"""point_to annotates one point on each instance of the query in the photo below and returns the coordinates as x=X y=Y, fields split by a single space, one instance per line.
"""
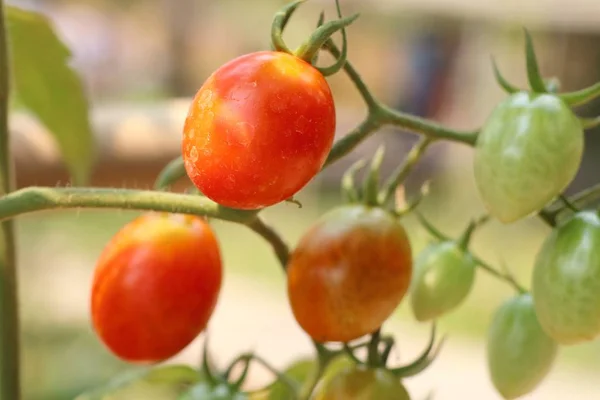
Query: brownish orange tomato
x=155 y=286
x=348 y=273
x=258 y=130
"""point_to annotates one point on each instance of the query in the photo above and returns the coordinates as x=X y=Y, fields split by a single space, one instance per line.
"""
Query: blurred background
x=141 y=61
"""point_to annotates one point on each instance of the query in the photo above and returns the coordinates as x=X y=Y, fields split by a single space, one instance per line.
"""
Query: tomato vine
x=371 y=201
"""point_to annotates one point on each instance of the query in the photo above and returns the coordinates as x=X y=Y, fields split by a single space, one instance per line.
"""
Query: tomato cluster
x=260 y=129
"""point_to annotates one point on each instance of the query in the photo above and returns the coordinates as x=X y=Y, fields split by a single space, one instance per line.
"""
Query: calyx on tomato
x=519 y=353
x=566 y=280
x=527 y=153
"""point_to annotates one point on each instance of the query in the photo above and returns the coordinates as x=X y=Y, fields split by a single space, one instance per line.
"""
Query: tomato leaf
x=48 y=87
x=160 y=383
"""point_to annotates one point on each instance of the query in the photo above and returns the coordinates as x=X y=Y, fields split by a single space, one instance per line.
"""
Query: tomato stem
x=507 y=86
x=320 y=36
x=403 y=170
x=341 y=60
x=504 y=276
x=424 y=360
x=280 y=248
x=373 y=356
x=589 y=123
x=34 y=199
x=579 y=200
x=280 y=21
x=371 y=183
x=582 y=96
x=533 y=70
x=10 y=380
x=350 y=193
x=170 y=174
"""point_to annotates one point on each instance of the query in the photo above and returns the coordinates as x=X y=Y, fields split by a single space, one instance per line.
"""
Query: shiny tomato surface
x=348 y=273
x=258 y=130
x=155 y=286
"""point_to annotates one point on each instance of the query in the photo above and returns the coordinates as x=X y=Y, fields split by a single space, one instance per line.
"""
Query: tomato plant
x=348 y=273
x=258 y=130
x=156 y=286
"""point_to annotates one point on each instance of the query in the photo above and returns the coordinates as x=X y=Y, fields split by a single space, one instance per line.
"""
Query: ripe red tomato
x=155 y=286
x=258 y=130
x=348 y=273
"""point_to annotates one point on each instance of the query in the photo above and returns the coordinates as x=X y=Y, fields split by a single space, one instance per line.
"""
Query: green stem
x=320 y=36
x=280 y=248
x=10 y=381
x=389 y=116
x=578 y=201
x=170 y=174
x=33 y=199
x=355 y=137
x=582 y=96
x=373 y=357
x=403 y=170
x=508 y=278
x=324 y=357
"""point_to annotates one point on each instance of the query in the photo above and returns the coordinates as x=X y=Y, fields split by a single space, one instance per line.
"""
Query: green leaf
x=160 y=383
x=47 y=86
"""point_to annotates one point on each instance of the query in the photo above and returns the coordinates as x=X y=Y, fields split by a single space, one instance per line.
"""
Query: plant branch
x=403 y=170
x=579 y=200
x=504 y=276
x=280 y=248
x=10 y=381
x=33 y=199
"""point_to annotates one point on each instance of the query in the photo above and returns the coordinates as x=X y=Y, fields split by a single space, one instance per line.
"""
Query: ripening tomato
x=155 y=286
x=348 y=273
x=566 y=280
x=207 y=391
x=520 y=354
x=443 y=278
x=359 y=382
x=258 y=130
x=527 y=153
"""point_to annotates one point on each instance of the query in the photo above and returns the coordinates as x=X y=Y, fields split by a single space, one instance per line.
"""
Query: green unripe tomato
x=528 y=152
x=519 y=353
x=566 y=280
x=360 y=382
x=443 y=278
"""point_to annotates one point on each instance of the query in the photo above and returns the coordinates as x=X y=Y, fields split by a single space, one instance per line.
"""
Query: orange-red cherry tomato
x=348 y=273
x=156 y=286
x=258 y=130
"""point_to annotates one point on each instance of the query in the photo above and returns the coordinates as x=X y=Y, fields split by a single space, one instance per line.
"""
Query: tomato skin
x=348 y=273
x=258 y=130
x=443 y=278
x=528 y=151
x=362 y=383
x=566 y=280
x=155 y=286
x=519 y=353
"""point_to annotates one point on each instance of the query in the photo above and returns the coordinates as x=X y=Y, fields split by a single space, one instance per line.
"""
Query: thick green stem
x=355 y=137
x=33 y=199
x=422 y=126
x=10 y=382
